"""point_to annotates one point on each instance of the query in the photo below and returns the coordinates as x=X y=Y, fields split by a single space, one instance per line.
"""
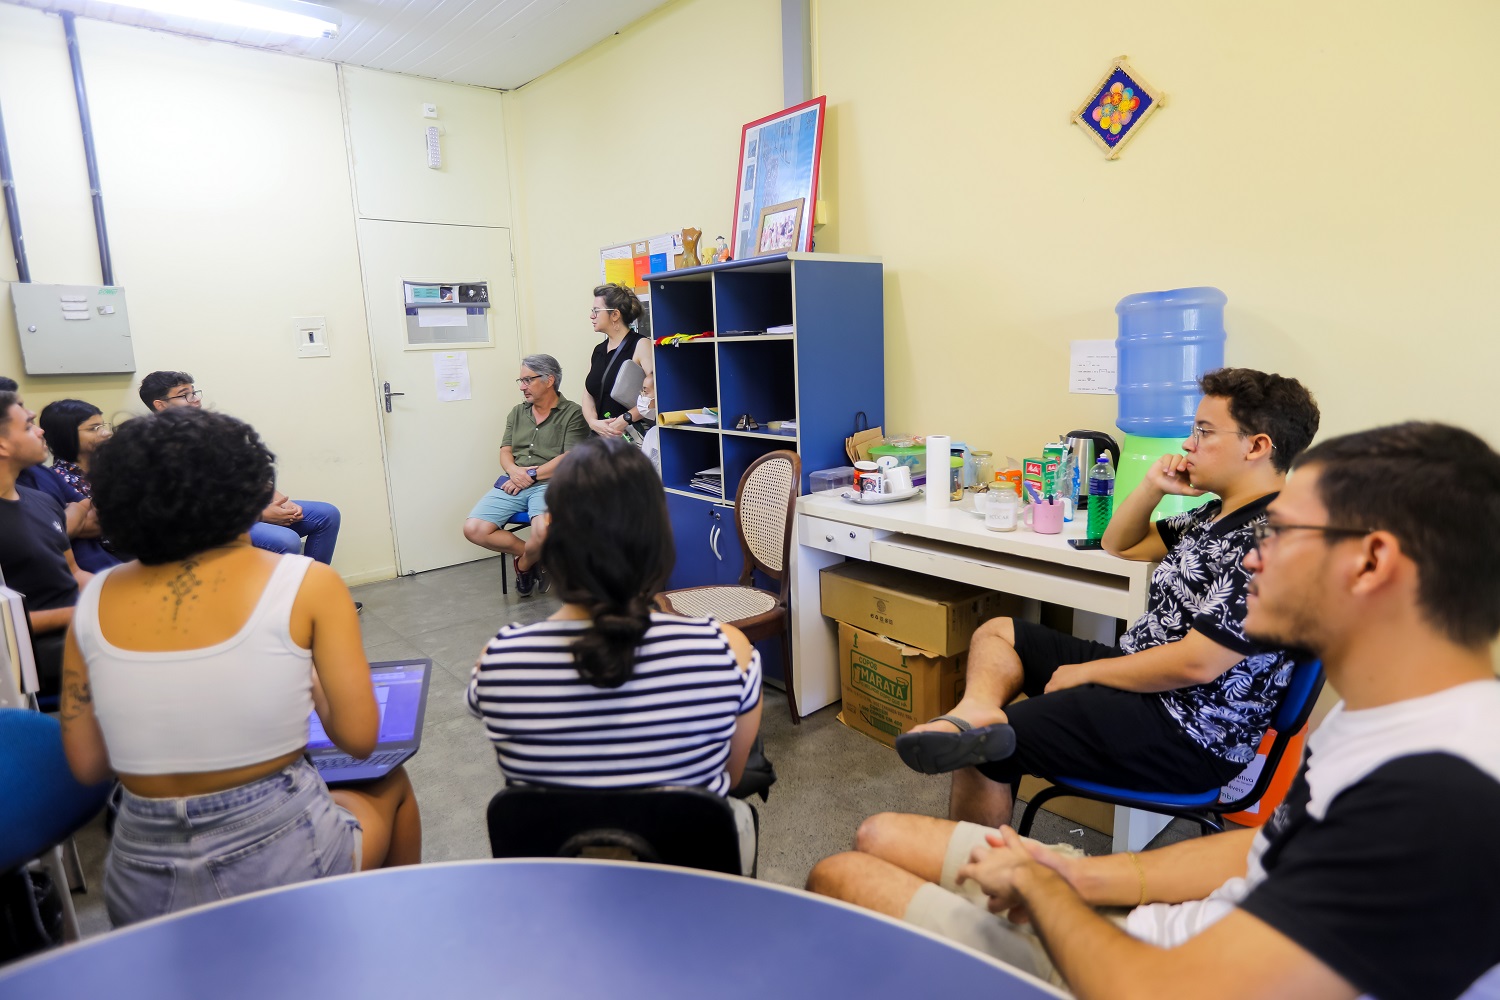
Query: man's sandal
x=939 y=753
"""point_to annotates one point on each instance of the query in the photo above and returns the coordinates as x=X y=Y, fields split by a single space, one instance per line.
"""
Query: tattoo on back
x=183 y=586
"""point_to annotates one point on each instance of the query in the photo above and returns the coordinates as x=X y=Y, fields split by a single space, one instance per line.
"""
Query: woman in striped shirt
x=608 y=692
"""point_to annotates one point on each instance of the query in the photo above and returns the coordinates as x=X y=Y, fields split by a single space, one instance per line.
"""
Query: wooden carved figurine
x=689 y=255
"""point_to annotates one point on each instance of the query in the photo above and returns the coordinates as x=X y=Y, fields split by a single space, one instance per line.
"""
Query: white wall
x=230 y=202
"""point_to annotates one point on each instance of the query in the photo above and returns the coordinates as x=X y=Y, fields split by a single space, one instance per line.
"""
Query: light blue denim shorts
x=173 y=854
x=498 y=506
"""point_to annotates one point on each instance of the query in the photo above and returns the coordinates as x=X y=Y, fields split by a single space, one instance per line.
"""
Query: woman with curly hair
x=190 y=674
x=609 y=693
x=615 y=309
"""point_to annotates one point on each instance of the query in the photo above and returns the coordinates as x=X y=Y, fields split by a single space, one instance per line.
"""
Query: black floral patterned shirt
x=1201 y=585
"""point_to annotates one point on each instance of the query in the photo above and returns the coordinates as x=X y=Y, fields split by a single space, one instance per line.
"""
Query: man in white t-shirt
x=1381 y=555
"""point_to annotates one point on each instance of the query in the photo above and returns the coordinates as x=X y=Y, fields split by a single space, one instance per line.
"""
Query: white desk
x=955 y=545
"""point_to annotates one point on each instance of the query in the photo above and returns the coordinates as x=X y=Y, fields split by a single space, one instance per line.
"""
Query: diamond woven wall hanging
x=1117 y=107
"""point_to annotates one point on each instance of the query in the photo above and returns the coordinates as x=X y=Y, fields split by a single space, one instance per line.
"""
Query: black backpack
x=31 y=914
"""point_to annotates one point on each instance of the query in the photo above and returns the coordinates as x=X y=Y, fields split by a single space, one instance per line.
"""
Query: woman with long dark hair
x=615 y=311
x=191 y=673
x=609 y=692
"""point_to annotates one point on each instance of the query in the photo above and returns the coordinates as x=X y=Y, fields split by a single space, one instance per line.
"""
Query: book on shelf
x=710 y=481
x=18 y=640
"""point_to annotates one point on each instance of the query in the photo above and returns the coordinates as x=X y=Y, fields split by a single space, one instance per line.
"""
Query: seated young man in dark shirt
x=1346 y=891
x=35 y=554
x=1182 y=703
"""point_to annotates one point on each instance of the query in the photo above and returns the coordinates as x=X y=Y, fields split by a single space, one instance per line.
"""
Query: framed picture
x=1117 y=107
x=780 y=226
x=779 y=157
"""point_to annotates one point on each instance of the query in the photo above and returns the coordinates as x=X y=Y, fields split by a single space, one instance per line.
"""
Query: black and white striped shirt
x=669 y=724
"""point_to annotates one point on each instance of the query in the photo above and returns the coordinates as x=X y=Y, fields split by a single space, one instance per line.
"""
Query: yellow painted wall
x=636 y=137
x=1320 y=163
x=1326 y=165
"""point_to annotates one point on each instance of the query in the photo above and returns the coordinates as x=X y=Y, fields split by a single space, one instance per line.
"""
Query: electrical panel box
x=72 y=329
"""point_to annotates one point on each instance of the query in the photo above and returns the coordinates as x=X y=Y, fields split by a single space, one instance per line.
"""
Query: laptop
x=401 y=695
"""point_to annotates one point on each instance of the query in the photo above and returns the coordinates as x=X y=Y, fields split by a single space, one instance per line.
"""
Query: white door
x=440 y=456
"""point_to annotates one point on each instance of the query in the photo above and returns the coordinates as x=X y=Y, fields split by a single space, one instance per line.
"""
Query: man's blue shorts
x=498 y=506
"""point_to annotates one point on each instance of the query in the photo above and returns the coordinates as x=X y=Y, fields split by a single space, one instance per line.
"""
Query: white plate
x=868 y=498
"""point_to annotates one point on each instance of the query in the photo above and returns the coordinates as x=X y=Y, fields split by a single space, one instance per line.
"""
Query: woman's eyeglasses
x=600 y=309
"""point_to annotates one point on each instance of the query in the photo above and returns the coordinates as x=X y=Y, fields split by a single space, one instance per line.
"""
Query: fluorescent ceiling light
x=287 y=17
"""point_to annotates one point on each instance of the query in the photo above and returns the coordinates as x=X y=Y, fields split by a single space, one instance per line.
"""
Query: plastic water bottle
x=1101 y=496
x=1166 y=341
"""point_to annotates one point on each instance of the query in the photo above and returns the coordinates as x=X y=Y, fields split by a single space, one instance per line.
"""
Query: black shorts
x=1097 y=733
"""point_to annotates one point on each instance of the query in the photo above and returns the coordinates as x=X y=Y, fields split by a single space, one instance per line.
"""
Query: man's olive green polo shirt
x=533 y=443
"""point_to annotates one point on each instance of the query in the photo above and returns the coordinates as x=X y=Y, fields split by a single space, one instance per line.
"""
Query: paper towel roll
x=937 y=470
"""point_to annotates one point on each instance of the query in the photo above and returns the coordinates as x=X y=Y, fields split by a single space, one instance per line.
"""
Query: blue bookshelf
x=830 y=367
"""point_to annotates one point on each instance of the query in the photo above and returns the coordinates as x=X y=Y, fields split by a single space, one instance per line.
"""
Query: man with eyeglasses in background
x=538 y=431
x=283 y=524
x=1179 y=706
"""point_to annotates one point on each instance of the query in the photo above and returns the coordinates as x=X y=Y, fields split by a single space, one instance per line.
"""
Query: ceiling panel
x=487 y=43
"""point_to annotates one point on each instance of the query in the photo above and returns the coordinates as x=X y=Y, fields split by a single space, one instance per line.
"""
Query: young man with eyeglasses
x=284 y=524
x=1181 y=704
x=1342 y=893
x=538 y=431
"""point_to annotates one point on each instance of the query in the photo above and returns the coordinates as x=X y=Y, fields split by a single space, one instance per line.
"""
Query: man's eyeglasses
x=1200 y=432
x=193 y=394
x=526 y=380
x=1265 y=531
x=599 y=309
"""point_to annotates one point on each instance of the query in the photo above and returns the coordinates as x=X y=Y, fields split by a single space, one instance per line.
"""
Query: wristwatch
x=531 y=472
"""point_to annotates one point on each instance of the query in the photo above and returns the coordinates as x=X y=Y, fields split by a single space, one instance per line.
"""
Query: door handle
x=713 y=542
x=388 y=395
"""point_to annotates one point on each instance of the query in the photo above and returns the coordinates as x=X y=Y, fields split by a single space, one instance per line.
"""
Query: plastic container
x=1101 y=496
x=1167 y=340
x=914 y=456
x=1136 y=456
x=831 y=479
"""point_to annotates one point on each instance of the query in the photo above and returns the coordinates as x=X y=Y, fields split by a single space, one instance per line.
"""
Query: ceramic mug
x=868 y=477
x=1045 y=518
x=898 y=479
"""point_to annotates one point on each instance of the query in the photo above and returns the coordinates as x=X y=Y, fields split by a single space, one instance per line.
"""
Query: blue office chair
x=515 y=524
x=40 y=802
x=1204 y=808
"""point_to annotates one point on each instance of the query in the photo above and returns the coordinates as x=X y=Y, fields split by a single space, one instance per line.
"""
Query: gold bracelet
x=1141 y=873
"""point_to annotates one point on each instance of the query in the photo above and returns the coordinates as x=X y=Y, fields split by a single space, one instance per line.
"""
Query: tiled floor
x=830 y=777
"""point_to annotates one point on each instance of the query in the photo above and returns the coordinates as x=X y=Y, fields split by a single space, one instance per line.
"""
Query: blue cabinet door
x=708 y=546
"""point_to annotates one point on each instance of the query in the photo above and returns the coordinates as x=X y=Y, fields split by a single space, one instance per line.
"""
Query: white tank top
x=238 y=702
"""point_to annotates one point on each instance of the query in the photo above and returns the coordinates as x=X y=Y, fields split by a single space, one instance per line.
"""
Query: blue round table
x=528 y=929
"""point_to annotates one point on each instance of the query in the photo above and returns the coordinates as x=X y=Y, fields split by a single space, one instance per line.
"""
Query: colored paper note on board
x=619 y=271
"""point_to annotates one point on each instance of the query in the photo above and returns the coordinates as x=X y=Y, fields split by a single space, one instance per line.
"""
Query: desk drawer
x=850 y=540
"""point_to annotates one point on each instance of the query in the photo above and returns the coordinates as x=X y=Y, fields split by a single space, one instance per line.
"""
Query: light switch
x=312 y=336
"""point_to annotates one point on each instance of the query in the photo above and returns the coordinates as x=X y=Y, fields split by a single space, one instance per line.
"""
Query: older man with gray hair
x=537 y=433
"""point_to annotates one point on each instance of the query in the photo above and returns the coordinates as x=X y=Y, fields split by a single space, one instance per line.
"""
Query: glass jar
x=984 y=469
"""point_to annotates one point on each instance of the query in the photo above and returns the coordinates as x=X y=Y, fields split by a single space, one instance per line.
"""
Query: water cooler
x=1167 y=341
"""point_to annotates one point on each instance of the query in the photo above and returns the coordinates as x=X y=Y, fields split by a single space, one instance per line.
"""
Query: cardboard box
x=889 y=687
x=925 y=612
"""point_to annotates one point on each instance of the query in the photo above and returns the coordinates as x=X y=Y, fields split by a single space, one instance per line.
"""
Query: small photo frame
x=779 y=228
x=1117 y=107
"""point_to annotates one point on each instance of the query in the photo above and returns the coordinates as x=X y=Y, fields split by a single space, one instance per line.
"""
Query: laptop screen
x=398 y=695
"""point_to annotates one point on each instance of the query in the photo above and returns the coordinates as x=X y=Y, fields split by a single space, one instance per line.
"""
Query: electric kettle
x=1083 y=448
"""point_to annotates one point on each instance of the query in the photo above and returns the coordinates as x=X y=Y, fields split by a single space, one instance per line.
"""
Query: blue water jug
x=1167 y=340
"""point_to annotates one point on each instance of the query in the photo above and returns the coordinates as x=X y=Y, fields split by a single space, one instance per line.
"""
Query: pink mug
x=1045 y=518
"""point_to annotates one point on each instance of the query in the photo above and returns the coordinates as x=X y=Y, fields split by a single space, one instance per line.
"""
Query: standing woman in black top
x=615 y=308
